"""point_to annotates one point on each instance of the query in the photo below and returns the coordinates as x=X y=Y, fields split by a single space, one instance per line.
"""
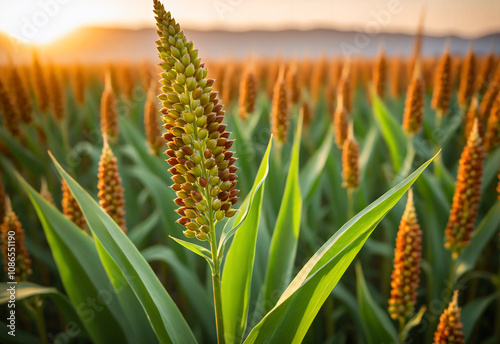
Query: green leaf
x=199 y=250
x=377 y=325
x=491 y=167
x=164 y=316
x=81 y=272
x=233 y=224
x=290 y=319
x=26 y=290
x=414 y=321
x=312 y=171
x=286 y=231
x=472 y=312
x=394 y=136
x=480 y=238
x=237 y=275
x=197 y=295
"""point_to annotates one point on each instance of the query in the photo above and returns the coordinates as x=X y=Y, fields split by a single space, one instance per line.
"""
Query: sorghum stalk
x=202 y=165
x=57 y=98
x=470 y=118
x=407 y=255
x=109 y=111
x=380 y=74
x=248 y=93
x=467 y=194
x=307 y=113
x=111 y=193
x=71 y=208
x=22 y=99
x=442 y=85
x=414 y=106
x=152 y=123
x=467 y=79
x=280 y=114
x=450 y=327
x=11 y=227
x=492 y=134
x=340 y=123
x=483 y=77
x=292 y=80
x=10 y=112
x=41 y=89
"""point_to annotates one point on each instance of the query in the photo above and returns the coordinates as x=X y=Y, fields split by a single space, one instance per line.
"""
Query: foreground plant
x=450 y=327
x=202 y=164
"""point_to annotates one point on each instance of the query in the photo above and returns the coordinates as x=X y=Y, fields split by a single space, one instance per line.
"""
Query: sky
x=39 y=21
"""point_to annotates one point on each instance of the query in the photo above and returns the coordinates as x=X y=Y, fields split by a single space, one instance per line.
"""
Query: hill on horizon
x=97 y=44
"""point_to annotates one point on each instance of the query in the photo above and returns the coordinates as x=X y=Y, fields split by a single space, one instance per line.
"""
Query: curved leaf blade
x=164 y=316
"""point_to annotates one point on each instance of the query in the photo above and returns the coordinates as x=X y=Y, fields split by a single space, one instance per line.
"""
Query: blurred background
x=106 y=30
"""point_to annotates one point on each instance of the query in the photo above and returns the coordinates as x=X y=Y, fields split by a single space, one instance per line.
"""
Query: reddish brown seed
x=414 y=106
x=405 y=277
x=450 y=326
x=467 y=195
x=70 y=206
x=111 y=193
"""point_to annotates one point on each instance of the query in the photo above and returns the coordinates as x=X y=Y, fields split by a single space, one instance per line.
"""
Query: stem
x=402 y=332
x=36 y=311
x=216 y=279
x=350 y=203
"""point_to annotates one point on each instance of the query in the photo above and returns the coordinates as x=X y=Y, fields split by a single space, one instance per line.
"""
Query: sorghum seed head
x=344 y=90
x=45 y=192
x=111 y=193
x=197 y=139
x=280 y=114
x=340 y=123
x=70 y=207
x=407 y=255
x=350 y=161
x=109 y=111
x=22 y=99
x=248 y=93
x=492 y=134
x=467 y=195
x=11 y=118
x=12 y=232
x=450 y=326
x=442 y=84
x=292 y=81
x=152 y=123
x=484 y=74
x=79 y=85
x=57 y=97
x=306 y=112
x=380 y=74
x=41 y=85
x=414 y=106
x=471 y=117
x=467 y=78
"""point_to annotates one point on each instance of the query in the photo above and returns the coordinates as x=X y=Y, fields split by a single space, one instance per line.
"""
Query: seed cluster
x=407 y=255
x=350 y=162
x=11 y=224
x=202 y=165
x=492 y=135
x=467 y=79
x=450 y=326
x=109 y=112
x=380 y=75
x=10 y=112
x=70 y=207
x=280 y=113
x=442 y=84
x=40 y=85
x=414 y=106
x=248 y=94
x=111 y=193
x=152 y=123
x=21 y=96
x=57 y=97
x=467 y=195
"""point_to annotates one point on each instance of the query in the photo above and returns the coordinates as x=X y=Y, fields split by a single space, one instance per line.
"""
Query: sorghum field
x=254 y=200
